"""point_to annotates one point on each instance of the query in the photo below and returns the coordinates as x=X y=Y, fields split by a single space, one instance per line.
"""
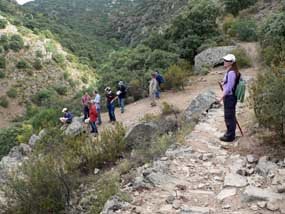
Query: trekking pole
x=221 y=87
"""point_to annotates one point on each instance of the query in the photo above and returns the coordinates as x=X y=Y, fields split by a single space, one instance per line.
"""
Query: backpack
x=160 y=79
x=239 y=88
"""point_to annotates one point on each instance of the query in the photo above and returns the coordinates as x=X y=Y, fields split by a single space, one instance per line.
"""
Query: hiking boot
x=227 y=139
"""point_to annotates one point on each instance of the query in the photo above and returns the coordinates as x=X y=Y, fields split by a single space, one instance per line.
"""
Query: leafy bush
x=44 y=187
x=175 y=78
x=43 y=96
x=2 y=75
x=38 y=64
x=244 y=30
x=268 y=100
x=243 y=59
x=3 y=23
x=25 y=132
x=22 y=64
x=12 y=93
x=2 y=62
x=4 y=102
x=168 y=109
x=8 y=139
x=234 y=6
x=136 y=90
x=45 y=118
x=272 y=39
x=16 y=43
x=60 y=89
x=58 y=58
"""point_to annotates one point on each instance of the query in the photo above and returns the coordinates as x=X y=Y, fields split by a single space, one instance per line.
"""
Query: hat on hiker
x=121 y=82
x=107 y=89
x=64 y=110
x=229 y=58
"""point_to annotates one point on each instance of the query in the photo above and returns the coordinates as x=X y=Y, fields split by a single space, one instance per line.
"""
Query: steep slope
x=34 y=67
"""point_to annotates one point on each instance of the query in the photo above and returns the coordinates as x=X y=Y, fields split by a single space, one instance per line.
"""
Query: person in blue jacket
x=67 y=117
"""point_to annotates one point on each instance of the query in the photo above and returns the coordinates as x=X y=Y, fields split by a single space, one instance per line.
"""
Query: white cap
x=118 y=93
x=64 y=110
x=121 y=82
x=229 y=58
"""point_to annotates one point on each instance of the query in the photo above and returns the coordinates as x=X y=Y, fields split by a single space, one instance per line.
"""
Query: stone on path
x=235 y=180
x=252 y=193
x=225 y=193
x=195 y=210
x=264 y=166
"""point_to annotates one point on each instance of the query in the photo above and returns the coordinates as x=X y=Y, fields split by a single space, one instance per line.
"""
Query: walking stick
x=221 y=87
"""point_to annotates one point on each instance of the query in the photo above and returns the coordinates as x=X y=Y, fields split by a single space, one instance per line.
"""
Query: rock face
x=264 y=166
x=200 y=104
x=113 y=204
x=211 y=57
x=252 y=193
x=141 y=134
x=75 y=128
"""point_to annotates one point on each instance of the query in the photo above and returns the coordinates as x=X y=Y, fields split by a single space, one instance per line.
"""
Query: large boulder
x=200 y=104
x=75 y=128
x=141 y=134
x=211 y=57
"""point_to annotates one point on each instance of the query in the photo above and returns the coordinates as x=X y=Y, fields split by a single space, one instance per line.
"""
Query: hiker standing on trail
x=229 y=84
x=110 y=96
x=159 y=78
x=92 y=117
x=67 y=117
x=153 y=85
x=121 y=93
x=85 y=99
x=96 y=101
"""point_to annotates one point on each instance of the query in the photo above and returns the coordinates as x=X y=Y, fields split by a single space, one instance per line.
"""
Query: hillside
x=34 y=68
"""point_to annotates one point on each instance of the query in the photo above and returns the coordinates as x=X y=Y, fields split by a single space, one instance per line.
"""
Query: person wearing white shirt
x=96 y=101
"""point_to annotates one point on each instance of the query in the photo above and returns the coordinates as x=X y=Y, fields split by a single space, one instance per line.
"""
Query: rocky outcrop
x=112 y=205
x=200 y=104
x=211 y=57
x=75 y=128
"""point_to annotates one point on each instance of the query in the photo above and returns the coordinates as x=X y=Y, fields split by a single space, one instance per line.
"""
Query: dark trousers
x=85 y=112
x=93 y=127
x=111 y=111
x=230 y=102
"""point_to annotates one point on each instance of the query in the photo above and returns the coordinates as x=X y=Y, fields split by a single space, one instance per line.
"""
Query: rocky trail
x=205 y=175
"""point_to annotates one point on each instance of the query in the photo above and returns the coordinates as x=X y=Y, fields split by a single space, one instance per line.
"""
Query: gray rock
x=25 y=149
x=264 y=166
x=75 y=128
x=33 y=140
x=170 y=199
x=235 y=180
x=211 y=57
x=200 y=104
x=42 y=133
x=225 y=193
x=281 y=189
x=194 y=210
x=272 y=205
x=140 y=135
x=251 y=159
x=113 y=204
x=180 y=151
x=261 y=204
x=252 y=193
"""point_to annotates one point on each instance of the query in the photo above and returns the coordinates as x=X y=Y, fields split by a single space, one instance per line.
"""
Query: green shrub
x=25 y=132
x=43 y=96
x=22 y=64
x=135 y=89
x=38 y=64
x=244 y=30
x=39 y=54
x=234 y=6
x=268 y=100
x=4 y=102
x=8 y=139
x=16 y=43
x=44 y=187
x=12 y=93
x=175 y=78
x=45 y=118
x=2 y=62
x=3 y=23
x=243 y=59
x=60 y=89
x=168 y=109
x=272 y=39
x=2 y=75
x=58 y=58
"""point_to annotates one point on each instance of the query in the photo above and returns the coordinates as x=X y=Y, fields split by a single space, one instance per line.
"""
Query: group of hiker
x=229 y=85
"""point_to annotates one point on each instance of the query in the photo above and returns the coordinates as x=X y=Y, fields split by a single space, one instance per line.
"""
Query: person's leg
x=157 y=93
x=92 y=126
x=113 y=112
x=152 y=97
x=230 y=118
x=109 y=111
x=99 y=120
x=85 y=112
x=122 y=105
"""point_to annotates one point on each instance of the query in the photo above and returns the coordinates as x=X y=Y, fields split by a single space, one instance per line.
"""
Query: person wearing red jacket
x=93 y=117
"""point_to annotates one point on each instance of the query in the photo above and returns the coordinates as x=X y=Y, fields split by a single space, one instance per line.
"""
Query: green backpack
x=240 y=90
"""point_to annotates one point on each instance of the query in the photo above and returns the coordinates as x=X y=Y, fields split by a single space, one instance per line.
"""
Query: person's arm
x=116 y=97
